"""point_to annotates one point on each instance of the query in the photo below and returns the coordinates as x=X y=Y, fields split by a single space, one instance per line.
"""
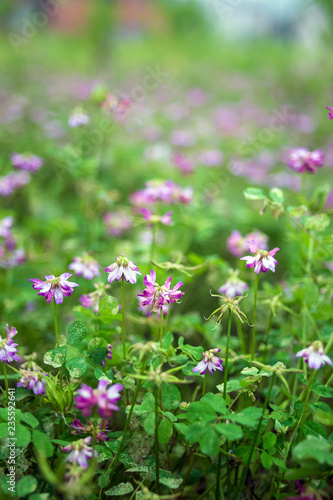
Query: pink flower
x=54 y=287
x=262 y=260
x=28 y=162
x=117 y=223
x=156 y=295
x=8 y=351
x=154 y=219
x=209 y=362
x=161 y=191
x=122 y=268
x=314 y=355
x=330 y=112
x=92 y=299
x=147 y=309
x=80 y=452
x=78 y=118
x=99 y=431
x=183 y=163
x=211 y=158
x=301 y=160
x=85 y=266
x=103 y=397
x=9 y=183
x=238 y=244
x=5 y=227
x=233 y=286
x=32 y=380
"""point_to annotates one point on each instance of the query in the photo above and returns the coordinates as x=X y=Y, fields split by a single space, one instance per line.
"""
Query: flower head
x=233 y=286
x=80 y=452
x=122 y=268
x=78 y=118
x=104 y=397
x=302 y=160
x=117 y=223
x=5 y=226
x=54 y=287
x=156 y=295
x=99 y=432
x=28 y=162
x=238 y=244
x=209 y=361
x=330 y=112
x=85 y=266
x=33 y=380
x=314 y=355
x=8 y=351
x=109 y=354
x=262 y=260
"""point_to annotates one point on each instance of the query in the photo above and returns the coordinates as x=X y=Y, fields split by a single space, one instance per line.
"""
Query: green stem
x=6 y=379
x=188 y=472
x=204 y=385
x=245 y=471
x=226 y=358
x=240 y=337
x=310 y=255
x=153 y=243
x=123 y=316
x=56 y=325
x=254 y=318
x=161 y=328
x=218 y=477
x=157 y=448
x=270 y=322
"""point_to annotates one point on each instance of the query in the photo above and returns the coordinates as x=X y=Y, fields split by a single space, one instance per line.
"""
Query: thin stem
x=153 y=242
x=123 y=316
x=188 y=472
x=226 y=358
x=240 y=336
x=204 y=385
x=270 y=322
x=310 y=255
x=245 y=471
x=6 y=379
x=56 y=325
x=218 y=477
x=157 y=448
x=254 y=318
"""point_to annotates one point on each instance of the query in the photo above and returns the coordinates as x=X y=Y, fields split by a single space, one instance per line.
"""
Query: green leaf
x=230 y=431
x=55 y=357
x=39 y=496
x=86 y=312
x=249 y=416
x=98 y=350
x=318 y=222
x=216 y=402
x=149 y=423
x=193 y=352
x=279 y=463
x=77 y=366
x=209 y=442
x=29 y=419
x=266 y=460
x=42 y=443
x=23 y=436
x=77 y=332
x=108 y=309
x=277 y=195
x=26 y=485
x=269 y=440
x=167 y=340
x=4 y=414
x=323 y=391
x=167 y=479
x=200 y=411
x=313 y=449
x=104 y=479
x=252 y=193
x=147 y=405
x=232 y=385
x=171 y=397
x=311 y=428
x=297 y=211
x=193 y=432
x=4 y=430
x=324 y=417
x=120 y=489
x=164 y=431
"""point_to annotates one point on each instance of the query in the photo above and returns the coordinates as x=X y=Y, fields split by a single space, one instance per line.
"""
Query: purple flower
x=85 y=266
x=9 y=183
x=102 y=397
x=28 y=162
x=54 y=287
x=92 y=299
x=5 y=226
x=8 y=351
x=233 y=286
x=147 y=309
x=33 y=380
x=156 y=295
x=302 y=160
x=78 y=118
x=165 y=219
x=122 y=268
x=109 y=354
x=117 y=223
x=209 y=362
x=238 y=244
x=211 y=158
x=183 y=163
x=98 y=431
x=330 y=112
x=80 y=452
x=314 y=355
x=161 y=191
x=262 y=260
x=182 y=138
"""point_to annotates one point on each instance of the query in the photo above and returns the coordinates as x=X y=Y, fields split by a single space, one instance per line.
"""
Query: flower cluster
x=54 y=287
x=117 y=223
x=92 y=299
x=161 y=191
x=11 y=182
x=10 y=255
x=27 y=161
x=78 y=118
x=80 y=452
x=209 y=362
x=122 y=268
x=262 y=259
x=8 y=351
x=238 y=244
x=302 y=160
x=156 y=296
x=33 y=380
x=314 y=355
x=104 y=397
x=85 y=266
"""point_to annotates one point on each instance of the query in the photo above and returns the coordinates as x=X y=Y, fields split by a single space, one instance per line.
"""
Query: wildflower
x=183 y=163
x=54 y=287
x=229 y=303
x=28 y=362
x=28 y=162
x=78 y=118
x=182 y=138
x=211 y=158
x=314 y=355
x=147 y=309
x=109 y=354
x=161 y=191
x=117 y=223
x=85 y=266
x=330 y=112
x=238 y=244
x=9 y=183
x=122 y=268
x=8 y=351
x=102 y=397
x=262 y=260
x=165 y=219
x=234 y=286
x=301 y=160
x=156 y=295
x=32 y=380
x=5 y=227
x=80 y=452
x=97 y=431
x=210 y=362
x=92 y=299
